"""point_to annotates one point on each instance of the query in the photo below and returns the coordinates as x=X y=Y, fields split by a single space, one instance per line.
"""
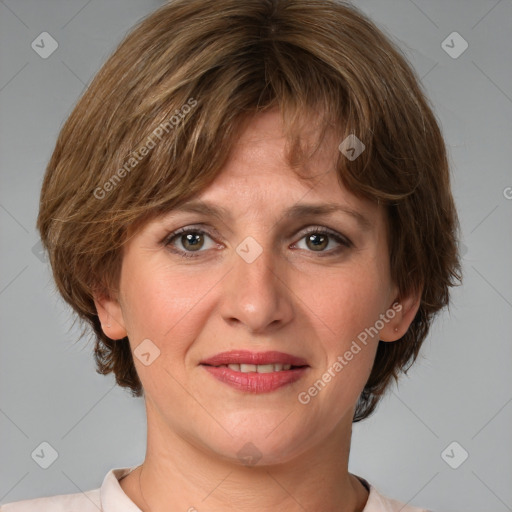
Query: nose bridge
x=257 y=295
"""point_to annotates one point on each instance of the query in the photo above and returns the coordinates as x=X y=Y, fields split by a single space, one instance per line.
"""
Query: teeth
x=265 y=368
x=246 y=368
x=259 y=368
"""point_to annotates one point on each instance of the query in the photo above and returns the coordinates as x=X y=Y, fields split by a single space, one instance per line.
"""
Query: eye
x=188 y=242
x=192 y=240
x=318 y=239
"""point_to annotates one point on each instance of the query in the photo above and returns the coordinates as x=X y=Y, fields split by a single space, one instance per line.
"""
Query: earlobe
x=111 y=317
x=405 y=310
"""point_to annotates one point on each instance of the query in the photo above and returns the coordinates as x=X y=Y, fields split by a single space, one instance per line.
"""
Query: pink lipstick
x=256 y=372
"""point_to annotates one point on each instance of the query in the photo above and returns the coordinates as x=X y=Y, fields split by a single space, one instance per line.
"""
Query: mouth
x=257 y=368
x=246 y=361
x=256 y=372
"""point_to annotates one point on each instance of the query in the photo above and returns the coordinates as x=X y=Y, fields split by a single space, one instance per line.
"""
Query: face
x=240 y=287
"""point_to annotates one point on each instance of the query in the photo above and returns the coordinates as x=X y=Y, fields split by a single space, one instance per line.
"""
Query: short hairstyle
x=156 y=125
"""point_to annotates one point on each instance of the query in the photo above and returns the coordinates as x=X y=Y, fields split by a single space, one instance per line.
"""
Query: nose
x=256 y=293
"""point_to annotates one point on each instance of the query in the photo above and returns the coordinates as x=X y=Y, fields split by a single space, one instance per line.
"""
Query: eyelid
x=211 y=232
x=342 y=239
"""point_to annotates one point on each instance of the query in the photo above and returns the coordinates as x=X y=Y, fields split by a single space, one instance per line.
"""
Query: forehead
x=257 y=182
x=262 y=140
x=257 y=173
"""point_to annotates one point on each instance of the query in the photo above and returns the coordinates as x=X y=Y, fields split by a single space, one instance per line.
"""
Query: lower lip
x=254 y=382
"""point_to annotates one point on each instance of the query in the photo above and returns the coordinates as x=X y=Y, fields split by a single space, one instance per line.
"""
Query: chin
x=263 y=441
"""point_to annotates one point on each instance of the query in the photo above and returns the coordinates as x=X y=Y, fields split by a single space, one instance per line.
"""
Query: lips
x=256 y=372
x=245 y=357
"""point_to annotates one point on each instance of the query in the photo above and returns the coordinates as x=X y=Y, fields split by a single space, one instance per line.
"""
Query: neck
x=178 y=475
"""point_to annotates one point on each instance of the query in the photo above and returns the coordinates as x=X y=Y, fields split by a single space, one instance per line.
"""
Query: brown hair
x=156 y=124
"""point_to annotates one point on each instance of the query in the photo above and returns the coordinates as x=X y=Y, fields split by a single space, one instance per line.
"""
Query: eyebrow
x=295 y=211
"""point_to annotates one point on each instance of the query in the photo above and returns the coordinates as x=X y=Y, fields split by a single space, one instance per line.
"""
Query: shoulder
x=81 y=502
x=377 y=502
x=110 y=497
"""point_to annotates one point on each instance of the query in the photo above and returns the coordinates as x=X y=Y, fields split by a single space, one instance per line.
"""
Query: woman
x=251 y=207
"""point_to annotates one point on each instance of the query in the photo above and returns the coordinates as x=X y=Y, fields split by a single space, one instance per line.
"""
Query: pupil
x=190 y=240
x=320 y=243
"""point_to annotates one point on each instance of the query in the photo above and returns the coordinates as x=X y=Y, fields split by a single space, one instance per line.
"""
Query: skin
x=295 y=298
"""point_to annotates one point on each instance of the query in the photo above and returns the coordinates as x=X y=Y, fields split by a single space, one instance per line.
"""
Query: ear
x=111 y=316
x=405 y=309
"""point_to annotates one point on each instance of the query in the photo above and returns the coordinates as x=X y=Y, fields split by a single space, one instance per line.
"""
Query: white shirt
x=110 y=497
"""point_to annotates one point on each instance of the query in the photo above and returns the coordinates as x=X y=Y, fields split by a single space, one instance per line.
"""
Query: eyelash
x=317 y=230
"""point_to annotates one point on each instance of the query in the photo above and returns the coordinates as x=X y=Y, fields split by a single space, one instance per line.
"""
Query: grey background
x=460 y=389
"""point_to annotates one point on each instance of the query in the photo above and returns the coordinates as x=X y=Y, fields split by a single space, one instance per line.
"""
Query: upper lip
x=248 y=357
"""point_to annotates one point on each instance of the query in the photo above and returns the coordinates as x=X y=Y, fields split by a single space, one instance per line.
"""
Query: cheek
x=346 y=302
x=350 y=307
x=162 y=304
x=344 y=312
x=165 y=307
